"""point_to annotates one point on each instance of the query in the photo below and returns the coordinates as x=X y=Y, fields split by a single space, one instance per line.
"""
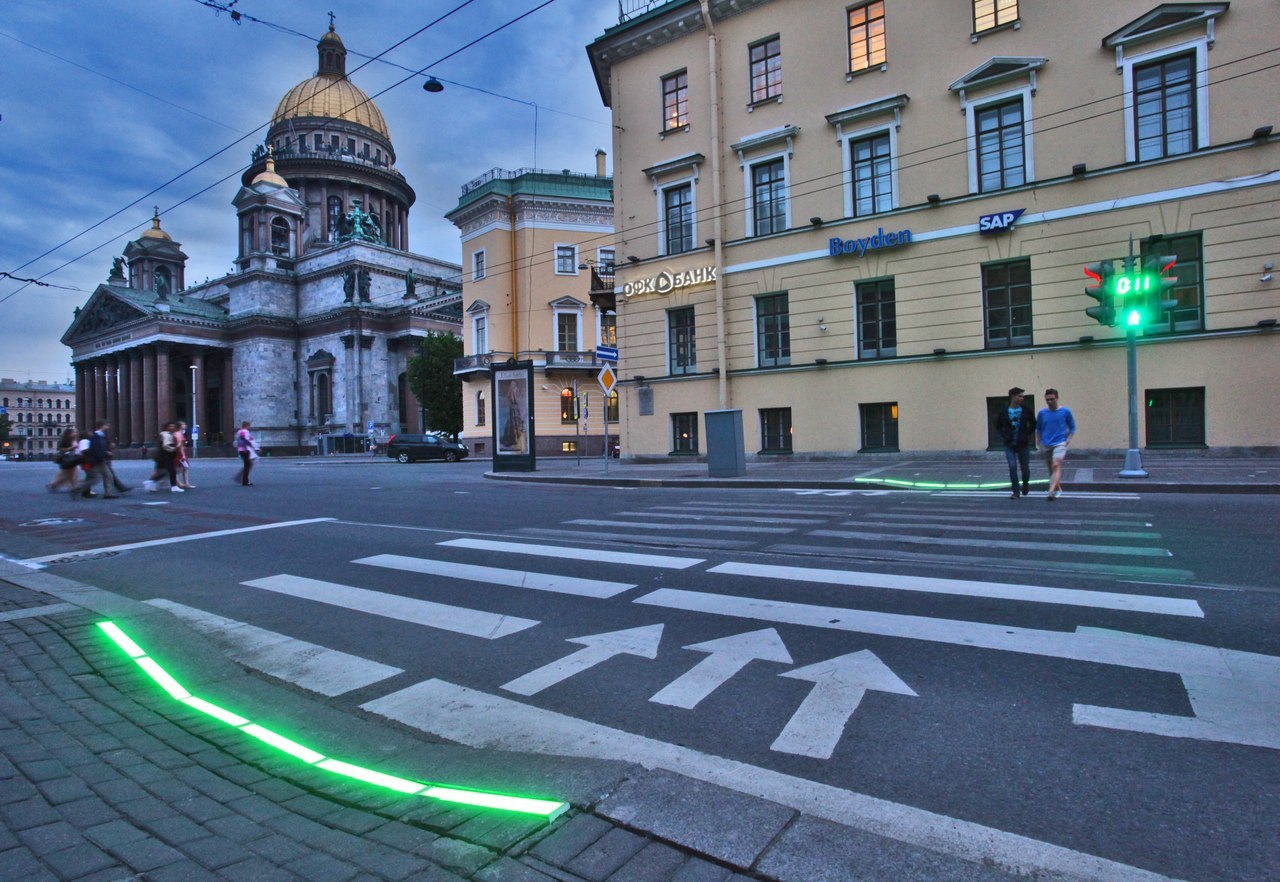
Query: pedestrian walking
x=98 y=455
x=181 y=461
x=68 y=461
x=1055 y=426
x=248 y=450
x=165 y=460
x=1017 y=426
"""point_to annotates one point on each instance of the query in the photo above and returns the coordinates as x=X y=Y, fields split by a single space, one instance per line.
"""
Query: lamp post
x=195 y=419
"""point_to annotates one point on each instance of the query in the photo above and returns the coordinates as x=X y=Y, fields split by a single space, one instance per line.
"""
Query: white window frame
x=969 y=107
x=480 y=332
x=573 y=271
x=846 y=139
x=479 y=264
x=749 y=189
x=600 y=325
x=661 y=191
x=610 y=261
x=1199 y=46
x=558 y=310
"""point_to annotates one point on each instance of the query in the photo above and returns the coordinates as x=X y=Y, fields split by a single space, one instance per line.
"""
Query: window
x=684 y=433
x=335 y=217
x=871 y=164
x=1188 y=315
x=317 y=141
x=279 y=237
x=568 y=446
x=773 y=331
x=775 y=430
x=566 y=260
x=608 y=329
x=605 y=259
x=568 y=406
x=879 y=426
x=351 y=146
x=333 y=143
x=163 y=283
x=866 y=36
x=766 y=69
x=1000 y=144
x=567 y=331
x=477 y=265
x=988 y=14
x=769 y=197
x=1164 y=111
x=481 y=413
x=877 y=319
x=682 y=357
x=480 y=334
x=611 y=407
x=1175 y=417
x=675 y=101
x=677 y=218
x=1006 y=298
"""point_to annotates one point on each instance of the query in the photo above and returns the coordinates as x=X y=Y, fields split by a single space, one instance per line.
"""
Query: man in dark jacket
x=1017 y=427
x=99 y=458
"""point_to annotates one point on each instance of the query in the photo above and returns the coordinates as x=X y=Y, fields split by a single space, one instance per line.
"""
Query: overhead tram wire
x=211 y=157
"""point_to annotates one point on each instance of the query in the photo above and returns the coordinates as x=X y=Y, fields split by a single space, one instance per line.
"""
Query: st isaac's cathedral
x=311 y=333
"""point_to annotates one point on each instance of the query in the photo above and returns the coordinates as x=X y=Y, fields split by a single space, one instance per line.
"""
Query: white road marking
x=704 y=516
x=633 y=525
x=492 y=722
x=597 y=648
x=562 y=552
x=495 y=576
x=1064 y=547
x=309 y=665
x=728 y=655
x=1110 y=649
x=1066 y=494
x=1016 y=521
x=1023 y=529
x=30 y=612
x=457 y=619
x=151 y=543
x=838 y=686
x=1170 y=606
x=637 y=539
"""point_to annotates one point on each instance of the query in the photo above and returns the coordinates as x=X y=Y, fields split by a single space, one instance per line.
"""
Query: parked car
x=411 y=448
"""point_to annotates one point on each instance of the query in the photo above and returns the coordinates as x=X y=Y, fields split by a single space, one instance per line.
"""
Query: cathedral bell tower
x=271 y=221
x=156 y=262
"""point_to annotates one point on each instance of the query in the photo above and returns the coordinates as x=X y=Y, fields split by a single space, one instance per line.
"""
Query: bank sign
x=665 y=282
x=861 y=246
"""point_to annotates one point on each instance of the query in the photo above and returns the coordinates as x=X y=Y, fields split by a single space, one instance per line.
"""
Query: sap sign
x=869 y=243
x=998 y=222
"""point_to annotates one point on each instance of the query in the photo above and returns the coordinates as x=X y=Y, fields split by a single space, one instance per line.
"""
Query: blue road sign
x=607 y=353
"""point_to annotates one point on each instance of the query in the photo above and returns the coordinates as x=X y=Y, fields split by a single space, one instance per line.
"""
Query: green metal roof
x=536 y=182
x=179 y=305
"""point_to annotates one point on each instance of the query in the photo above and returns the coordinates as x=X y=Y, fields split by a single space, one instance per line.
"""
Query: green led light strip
x=550 y=809
x=937 y=485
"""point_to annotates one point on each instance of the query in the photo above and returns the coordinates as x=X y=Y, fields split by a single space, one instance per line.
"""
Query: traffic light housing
x=1103 y=290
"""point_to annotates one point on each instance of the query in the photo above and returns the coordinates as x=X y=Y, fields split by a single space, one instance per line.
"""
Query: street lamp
x=195 y=419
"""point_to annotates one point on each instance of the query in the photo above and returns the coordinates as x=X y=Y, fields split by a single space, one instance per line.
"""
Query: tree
x=6 y=428
x=432 y=381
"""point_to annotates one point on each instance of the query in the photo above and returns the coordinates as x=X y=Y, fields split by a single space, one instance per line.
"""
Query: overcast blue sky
x=142 y=90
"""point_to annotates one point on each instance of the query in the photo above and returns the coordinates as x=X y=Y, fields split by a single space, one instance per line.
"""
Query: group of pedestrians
x=1052 y=428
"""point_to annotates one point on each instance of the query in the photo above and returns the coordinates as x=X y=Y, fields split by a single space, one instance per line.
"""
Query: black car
x=411 y=448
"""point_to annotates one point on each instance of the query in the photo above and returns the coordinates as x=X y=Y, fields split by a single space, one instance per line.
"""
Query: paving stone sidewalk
x=103 y=778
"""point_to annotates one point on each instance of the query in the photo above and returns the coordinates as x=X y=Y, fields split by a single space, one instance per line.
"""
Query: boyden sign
x=861 y=246
x=998 y=222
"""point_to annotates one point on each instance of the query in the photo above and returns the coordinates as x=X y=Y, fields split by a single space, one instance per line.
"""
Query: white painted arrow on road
x=728 y=656
x=596 y=648
x=839 y=684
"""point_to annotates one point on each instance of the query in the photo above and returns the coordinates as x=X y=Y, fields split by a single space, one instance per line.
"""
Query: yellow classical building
x=861 y=223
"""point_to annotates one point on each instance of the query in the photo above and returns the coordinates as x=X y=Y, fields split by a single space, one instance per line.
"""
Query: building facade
x=534 y=246
x=38 y=412
x=310 y=336
x=861 y=225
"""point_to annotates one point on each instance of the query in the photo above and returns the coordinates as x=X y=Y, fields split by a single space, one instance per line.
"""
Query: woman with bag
x=67 y=459
x=248 y=450
x=180 y=460
x=164 y=458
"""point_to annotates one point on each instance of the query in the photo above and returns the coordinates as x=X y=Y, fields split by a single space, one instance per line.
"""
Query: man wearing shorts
x=1054 y=427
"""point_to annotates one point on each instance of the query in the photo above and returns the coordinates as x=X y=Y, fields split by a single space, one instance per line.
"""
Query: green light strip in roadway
x=549 y=809
x=938 y=485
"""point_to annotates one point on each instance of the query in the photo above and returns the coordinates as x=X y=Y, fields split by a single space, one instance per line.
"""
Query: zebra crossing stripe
x=561 y=552
x=632 y=525
x=1171 y=606
x=496 y=576
x=711 y=516
x=459 y=620
x=1063 y=547
x=1022 y=529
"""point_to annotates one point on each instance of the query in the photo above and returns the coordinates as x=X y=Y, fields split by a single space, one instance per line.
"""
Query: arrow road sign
x=641 y=641
x=728 y=656
x=838 y=686
x=607 y=353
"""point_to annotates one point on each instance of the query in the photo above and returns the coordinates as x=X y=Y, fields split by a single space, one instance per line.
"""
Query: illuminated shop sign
x=870 y=243
x=998 y=222
x=665 y=282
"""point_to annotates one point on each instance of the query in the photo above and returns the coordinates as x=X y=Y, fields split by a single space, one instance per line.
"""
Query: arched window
x=39 y=402
x=279 y=237
x=481 y=415
x=163 y=280
x=335 y=217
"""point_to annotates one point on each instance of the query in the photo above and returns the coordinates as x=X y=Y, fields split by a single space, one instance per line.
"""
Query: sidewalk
x=104 y=777
x=1168 y=472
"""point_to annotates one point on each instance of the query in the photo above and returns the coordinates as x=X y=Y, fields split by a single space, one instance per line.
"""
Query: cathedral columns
x=164 y=386
x=200 y=388
x=82 y=396
x=113 y=394
x=150 y=429
x=229 y=424
x=99 y=392
x=137 y=399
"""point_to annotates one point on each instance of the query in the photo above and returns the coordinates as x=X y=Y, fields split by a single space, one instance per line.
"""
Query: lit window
x=766 y=69
x=675 y=101
x=866 y=36
x=988 y=14
x=684 y=433
x=879 y=426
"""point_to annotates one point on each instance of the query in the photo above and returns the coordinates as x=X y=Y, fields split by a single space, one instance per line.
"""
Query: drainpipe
x=515 y=295
x=717 y=199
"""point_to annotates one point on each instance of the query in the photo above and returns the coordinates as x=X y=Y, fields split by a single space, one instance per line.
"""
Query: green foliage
x=433 y=383
x=6 y=428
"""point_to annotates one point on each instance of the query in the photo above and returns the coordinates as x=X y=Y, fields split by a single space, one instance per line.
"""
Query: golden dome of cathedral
x=329 y=94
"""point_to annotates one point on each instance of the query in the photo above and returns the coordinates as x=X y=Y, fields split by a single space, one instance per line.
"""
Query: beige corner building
x=537 y=285
x=861 y=223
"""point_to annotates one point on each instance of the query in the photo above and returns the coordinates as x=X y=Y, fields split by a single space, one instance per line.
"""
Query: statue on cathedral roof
x=360 y=226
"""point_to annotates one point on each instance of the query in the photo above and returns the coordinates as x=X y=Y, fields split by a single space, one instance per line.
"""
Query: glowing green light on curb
x=546 y=808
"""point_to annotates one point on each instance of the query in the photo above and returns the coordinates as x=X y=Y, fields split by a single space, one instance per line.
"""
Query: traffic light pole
x=1133 y=456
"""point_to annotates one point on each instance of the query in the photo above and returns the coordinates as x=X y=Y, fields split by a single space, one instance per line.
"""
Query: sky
x=104 y=101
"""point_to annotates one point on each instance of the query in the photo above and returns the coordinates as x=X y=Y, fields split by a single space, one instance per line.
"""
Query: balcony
x=469 y=366
x=573 y=362
x=601 y=293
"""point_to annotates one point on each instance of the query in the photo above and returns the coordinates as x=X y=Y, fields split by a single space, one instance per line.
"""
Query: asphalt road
x=1101 y=673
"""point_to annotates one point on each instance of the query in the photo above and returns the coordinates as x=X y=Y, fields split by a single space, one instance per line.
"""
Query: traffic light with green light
x=1103 y=274
x=1141 y=294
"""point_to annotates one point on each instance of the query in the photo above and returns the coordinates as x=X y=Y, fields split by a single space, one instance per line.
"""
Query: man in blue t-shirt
x=1054 y=427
